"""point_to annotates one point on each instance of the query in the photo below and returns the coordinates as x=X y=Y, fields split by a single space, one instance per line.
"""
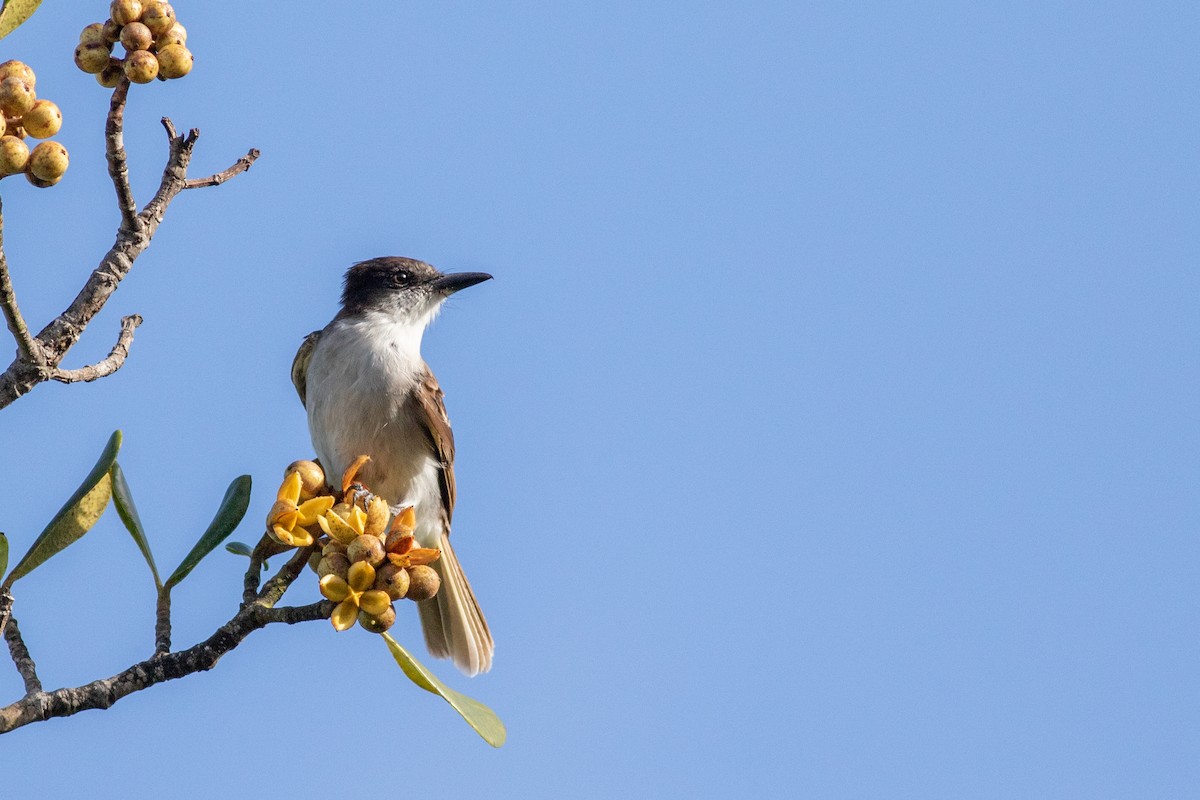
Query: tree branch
x=240 y=166
x=27 y=348
x=50 y=346
x=38 y=705
x=158 y=668
x=16 y=646
x=114 y=148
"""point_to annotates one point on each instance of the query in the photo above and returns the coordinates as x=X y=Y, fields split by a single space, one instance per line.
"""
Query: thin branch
x=162 y=622
x=110 y=364
x=20 y=656
x=240 y=166
x=133 y=237
x=158 y=668
x=26 y=347
x=114 y=148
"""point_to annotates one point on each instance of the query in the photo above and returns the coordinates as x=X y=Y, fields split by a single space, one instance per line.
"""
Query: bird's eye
x=401 y=278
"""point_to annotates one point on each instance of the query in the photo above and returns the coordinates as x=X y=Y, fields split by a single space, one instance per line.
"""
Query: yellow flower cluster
x=367 y=557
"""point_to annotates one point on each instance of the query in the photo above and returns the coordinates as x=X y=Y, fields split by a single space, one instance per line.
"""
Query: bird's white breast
x=359 y=398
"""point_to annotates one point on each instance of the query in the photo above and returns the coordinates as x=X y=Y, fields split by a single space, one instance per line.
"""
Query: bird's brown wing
x=300 y=364
x=432 y=415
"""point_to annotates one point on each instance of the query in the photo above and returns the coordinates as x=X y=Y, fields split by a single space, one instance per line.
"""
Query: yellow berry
x=423 y=582
x=393 y=580
x=48 y=161
x=14 y=155
x=366 y=548
x=136 y=36
x=16 y=96
x=18 y=69
x=377 y=623
x=43 y=120
x=111 y=75
x=92 y=58
x=112 y=32
x=312 y=477
x=174 y=61
x=176 y=34
x=158 y=17
x=39 y=182
x=141 y=66
x=124 y=12
x=93 y=34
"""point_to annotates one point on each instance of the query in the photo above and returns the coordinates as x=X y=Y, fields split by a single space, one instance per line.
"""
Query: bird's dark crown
x=376 y=282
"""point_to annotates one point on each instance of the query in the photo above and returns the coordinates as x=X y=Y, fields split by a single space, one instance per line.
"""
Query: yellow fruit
x=43 y=120
x=158 y=17
x=136 y=36
x=39 y=182
x=112 y=32
x=18 y=69
x=377 y=623
x=366 y=548
x=48 y=161
x=92 y=58
x=176 y=34
x=423 y=583
x=124 y=12
x=16 y=96
x=141 y=66
x=14 y=155
x=111 y=75
x=393 y=580
x=93 y=34
x=174 y=61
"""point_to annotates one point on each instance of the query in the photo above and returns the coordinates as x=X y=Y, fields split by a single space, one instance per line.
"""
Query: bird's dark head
x=401 y=286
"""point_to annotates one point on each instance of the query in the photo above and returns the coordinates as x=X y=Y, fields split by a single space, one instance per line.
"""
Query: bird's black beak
x=454 y=281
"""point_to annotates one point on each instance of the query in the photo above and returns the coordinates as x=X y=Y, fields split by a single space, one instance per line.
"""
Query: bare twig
x=240 y=166
x=108 y=365
x=27 y=348
x=162 y=622
x=38 y=705
x=156 y=669
x=114 y=148
x=20 y=656
x=48 y=348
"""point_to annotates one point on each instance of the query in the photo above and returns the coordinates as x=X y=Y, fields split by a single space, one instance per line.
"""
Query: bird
x=367 y=391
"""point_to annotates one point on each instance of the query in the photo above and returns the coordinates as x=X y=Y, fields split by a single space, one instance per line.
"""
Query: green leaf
x=240 y=549
x=233 y=508
x=76 y=517
x=123 y=501
x=16 y=12
x=478 y=716
x=3 y=554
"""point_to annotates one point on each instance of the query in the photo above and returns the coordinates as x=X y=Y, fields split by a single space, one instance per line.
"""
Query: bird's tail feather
x=453 y=624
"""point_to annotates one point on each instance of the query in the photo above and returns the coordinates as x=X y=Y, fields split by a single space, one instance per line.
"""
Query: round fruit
x=174 y=61
x=112 y=32
x=393 y=580
x=136 y=36
x=16 y=96
x=18 y=69
x=48 y=161
x=111 y=75
x=92 y=58
x=158 y=17
x=176 y=34
x=124 y=12
x=379 y=623
x=43 y=120
x=141 y=66
x=93 y=34
x=14 y=155
x=38 y=182
x=424 y=582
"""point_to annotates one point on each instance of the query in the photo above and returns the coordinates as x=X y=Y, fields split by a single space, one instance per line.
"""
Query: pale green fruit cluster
x=23 y=115
x=154 y=41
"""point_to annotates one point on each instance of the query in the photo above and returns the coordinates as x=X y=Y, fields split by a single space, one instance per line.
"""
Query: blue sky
x=828 y=431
